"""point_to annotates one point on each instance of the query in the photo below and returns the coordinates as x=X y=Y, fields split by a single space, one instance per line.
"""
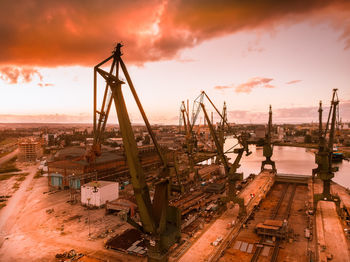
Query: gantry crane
x=189 y=135
x=223 y=116
x=160 y=221
x=230 y=169
x=324 y=169
x=221 y=127
x=268 y=147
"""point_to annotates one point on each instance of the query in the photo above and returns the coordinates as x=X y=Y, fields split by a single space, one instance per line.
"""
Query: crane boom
x=325 y=170
x=230 y=169
x=160 y=221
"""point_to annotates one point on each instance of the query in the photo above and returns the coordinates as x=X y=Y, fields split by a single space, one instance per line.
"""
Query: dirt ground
x=36 y=225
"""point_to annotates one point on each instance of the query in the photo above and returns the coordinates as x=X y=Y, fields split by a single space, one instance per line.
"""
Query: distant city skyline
x=288 y=54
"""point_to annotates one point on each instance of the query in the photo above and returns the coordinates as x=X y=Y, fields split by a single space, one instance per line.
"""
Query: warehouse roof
x=99 y=183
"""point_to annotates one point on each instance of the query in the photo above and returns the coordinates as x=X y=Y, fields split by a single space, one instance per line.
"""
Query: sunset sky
x=251 y=54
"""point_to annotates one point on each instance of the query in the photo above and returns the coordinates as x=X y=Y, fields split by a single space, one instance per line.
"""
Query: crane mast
x=230 y=169
x=268 y=148
x=323 y=157
x=160 y=221
x=189 y=135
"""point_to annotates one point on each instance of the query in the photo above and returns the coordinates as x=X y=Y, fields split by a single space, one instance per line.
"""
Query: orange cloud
x=52 y=33
x=12 y=75
x=253 y=83
x=293 y=82
x=222 y=87
x=286 y=115
x=249 y=85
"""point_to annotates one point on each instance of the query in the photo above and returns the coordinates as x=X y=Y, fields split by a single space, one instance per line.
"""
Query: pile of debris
x=130 y=241
x=72 y=255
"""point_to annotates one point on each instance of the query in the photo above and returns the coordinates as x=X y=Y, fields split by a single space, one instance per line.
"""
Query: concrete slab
x=237 y=245
x=250 y=248
x=202 y=249
x=259 y=188
x=331 y=240
x=244 y=246
x=343 y=194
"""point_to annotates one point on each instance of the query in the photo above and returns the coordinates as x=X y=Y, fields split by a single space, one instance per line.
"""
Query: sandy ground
x=331 y=240
x=9 y=156
x=29 y=233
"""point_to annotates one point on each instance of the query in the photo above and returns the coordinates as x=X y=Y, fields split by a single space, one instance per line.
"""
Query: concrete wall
x=104 y=193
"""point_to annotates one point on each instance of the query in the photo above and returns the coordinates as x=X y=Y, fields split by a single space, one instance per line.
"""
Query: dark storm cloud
x=52 y=33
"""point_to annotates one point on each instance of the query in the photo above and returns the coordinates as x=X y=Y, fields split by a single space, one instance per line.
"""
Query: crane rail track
x=258 y=250
x=285 y=215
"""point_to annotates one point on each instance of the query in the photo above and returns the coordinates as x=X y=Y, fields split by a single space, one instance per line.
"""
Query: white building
x=96 y=193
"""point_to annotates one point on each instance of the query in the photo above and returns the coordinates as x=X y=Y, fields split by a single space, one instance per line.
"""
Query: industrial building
x=97 y=193
x=29 y=150
x=72 y=170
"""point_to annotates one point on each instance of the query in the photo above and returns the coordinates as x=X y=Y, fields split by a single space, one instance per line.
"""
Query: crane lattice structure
x=219 y=139
x=268 y=147
x=325 y=170
x=159 y=221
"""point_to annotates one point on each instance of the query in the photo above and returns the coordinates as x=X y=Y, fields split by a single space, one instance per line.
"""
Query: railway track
x=258 y=250
x=280 y=213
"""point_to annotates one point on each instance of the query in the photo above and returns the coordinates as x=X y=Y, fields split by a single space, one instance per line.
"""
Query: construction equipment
x=230 y=169
x=160 y=221
x=221 y=127
x=323 y=159
x=189 y=135
x=268 y=147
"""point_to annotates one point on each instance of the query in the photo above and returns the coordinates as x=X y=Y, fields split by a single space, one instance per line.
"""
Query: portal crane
x=160 y=221
x=230 y=169
x=221 y=127
x=324 y=169
x=189 y=135
x=268 y=148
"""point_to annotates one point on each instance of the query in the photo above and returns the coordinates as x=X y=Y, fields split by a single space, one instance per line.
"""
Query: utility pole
x=88 y=207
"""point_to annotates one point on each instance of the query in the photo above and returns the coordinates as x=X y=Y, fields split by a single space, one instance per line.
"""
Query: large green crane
x=159 y=221
x=230 y=169
x=189 y=135
x=323 y=158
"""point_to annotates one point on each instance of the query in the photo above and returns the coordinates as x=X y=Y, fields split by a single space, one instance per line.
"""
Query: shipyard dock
x=281 y=224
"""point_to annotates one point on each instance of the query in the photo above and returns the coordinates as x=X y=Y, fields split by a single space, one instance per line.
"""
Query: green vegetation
x=38 y=174
x=2 y=205
x=16 y=186
x=21 y=176
x=9 y=166
x=306 y=145
x=6 y=176
x=5 y=153
x=147 y=140
x=9 y=140
x=346 y=154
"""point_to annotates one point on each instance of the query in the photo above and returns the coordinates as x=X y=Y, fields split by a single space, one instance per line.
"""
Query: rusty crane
x=268 y=147
x=159 y=221
x=325 y=170
x=230 y=169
